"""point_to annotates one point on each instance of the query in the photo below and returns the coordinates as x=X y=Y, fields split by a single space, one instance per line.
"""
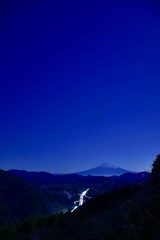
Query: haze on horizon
x=79 y=85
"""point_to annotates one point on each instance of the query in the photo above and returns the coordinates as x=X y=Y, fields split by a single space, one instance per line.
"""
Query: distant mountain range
x=105 y=169
x=24 y=194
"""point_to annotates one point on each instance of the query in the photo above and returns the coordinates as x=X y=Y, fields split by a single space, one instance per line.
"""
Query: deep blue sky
x=80 y=84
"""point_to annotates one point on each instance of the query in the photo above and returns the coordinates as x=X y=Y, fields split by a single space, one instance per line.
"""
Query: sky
x=79 y=84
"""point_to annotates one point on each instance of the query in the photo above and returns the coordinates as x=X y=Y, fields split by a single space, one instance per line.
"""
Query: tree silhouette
x=155 y=174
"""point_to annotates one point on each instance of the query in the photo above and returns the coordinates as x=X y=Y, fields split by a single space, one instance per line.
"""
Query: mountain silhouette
x=104 y=169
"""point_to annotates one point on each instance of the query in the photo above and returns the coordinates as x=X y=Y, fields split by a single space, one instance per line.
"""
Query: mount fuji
x=104 y=169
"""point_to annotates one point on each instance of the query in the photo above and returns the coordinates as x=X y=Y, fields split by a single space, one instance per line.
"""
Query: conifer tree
x=155 y=174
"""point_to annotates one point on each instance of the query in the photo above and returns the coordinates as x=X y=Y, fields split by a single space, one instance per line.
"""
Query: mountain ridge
x=104 y=169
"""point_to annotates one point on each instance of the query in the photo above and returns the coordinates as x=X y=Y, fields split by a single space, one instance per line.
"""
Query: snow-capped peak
x=107 y=165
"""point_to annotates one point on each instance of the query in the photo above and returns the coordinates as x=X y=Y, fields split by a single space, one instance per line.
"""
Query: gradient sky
x=80 y=84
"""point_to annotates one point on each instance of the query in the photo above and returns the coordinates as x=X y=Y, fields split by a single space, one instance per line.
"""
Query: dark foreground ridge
x=94 y=220
x=27 y=194
x=118 y=214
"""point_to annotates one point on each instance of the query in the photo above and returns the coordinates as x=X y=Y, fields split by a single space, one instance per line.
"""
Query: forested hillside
x=126 y=213
x=25 y=194
x=20 y=200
